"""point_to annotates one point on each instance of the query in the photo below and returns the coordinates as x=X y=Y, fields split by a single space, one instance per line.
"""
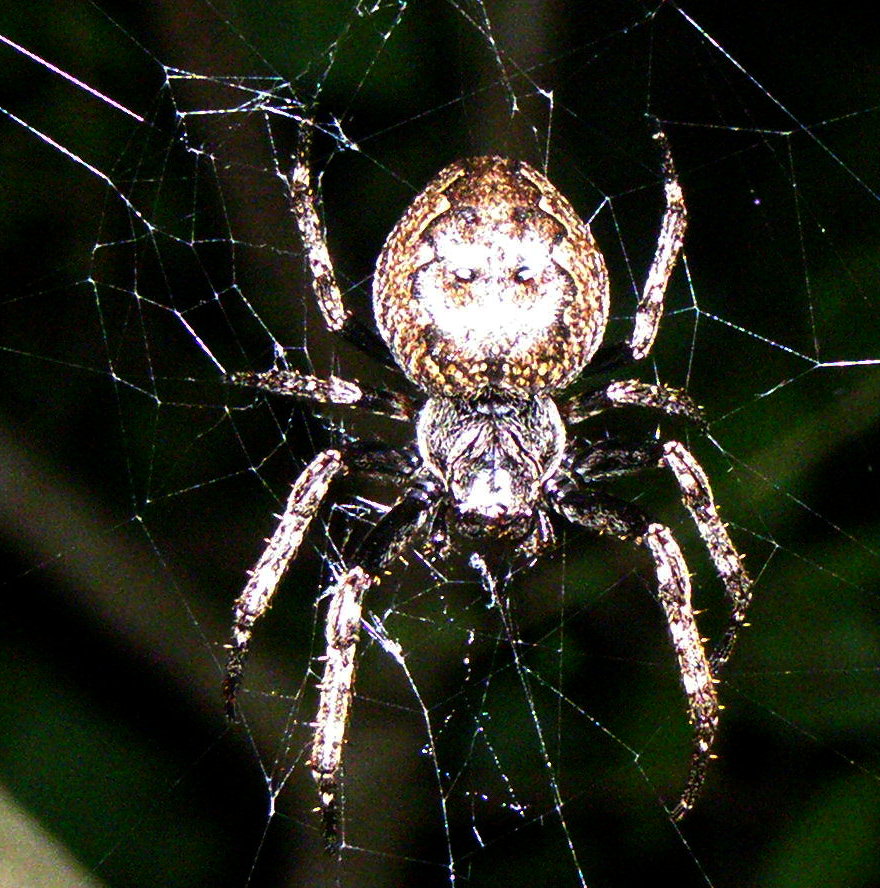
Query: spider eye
x=524 y=273
x=464 y=274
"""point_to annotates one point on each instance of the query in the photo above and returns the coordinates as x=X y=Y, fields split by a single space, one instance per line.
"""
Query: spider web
x=507 y=722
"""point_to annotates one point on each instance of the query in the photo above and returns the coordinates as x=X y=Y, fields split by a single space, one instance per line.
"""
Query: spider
x=491 y=295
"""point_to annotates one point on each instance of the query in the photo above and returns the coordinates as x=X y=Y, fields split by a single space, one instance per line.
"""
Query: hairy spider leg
x=306 y=496
x=381 y=545
x=697 y=496
x=650 y=308
x=336 y=689
x=631 y=393
x=332 y=390
x=337 y=317
x=605 y=514
x=669 y=243
x=605 y=459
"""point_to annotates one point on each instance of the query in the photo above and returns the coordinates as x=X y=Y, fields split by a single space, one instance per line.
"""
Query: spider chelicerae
x=490 y=295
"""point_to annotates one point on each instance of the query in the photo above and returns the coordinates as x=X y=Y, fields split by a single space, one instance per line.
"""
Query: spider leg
x=332 y=390
x=607 y=515
x=336 y=688
x=378 y=548
x=606 y=459
x=697 y=496
x=696 y=673
x=631 y=392
x=337 y=317
x=597 y=461
x=305 y=498
x=650 y=307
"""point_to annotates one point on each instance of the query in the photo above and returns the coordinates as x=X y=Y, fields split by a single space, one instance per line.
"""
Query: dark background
x=137 y=487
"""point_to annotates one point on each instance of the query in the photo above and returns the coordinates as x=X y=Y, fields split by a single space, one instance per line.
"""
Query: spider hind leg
x=304 y=205
x=650 y=308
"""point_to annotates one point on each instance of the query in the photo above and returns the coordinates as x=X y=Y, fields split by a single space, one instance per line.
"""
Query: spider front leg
x=697 y=497
x=306 y=495
x=302 y=505
x=343 y=622
x=674 y=590
x=337 y=687
x=607 y=515
x=605 y=459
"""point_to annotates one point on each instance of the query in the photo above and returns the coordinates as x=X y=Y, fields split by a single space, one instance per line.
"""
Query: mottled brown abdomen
x=490 y=282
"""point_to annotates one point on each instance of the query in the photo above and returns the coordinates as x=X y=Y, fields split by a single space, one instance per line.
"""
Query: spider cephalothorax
x=492 y=296
x=492 y=456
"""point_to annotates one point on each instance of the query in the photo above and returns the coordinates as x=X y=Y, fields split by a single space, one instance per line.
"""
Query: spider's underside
x=491 y=296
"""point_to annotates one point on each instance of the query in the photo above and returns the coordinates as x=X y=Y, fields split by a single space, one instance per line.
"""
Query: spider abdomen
x=491 y=284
